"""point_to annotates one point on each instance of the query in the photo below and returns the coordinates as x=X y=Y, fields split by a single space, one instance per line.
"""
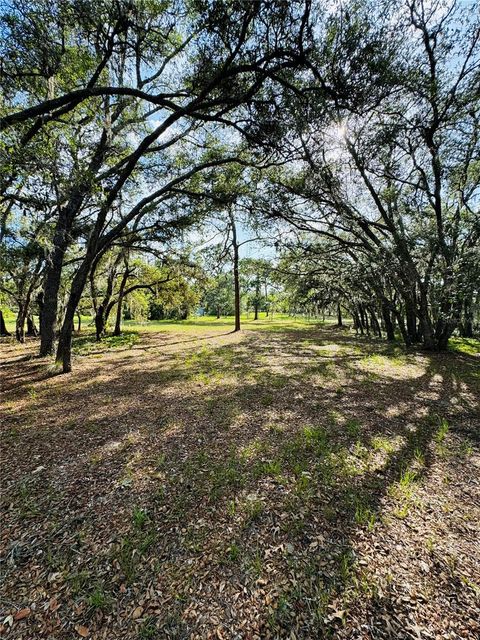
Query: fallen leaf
x=82 y=631
x=23 y=613
x=137 y=613
x=53 y=605
x=54 y=576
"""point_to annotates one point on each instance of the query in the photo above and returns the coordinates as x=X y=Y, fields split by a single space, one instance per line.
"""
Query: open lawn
x=289 y=481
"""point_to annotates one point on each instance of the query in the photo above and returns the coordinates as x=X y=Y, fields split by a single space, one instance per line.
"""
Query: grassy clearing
x=201 y=324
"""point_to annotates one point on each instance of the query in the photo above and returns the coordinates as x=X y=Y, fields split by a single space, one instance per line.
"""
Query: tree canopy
x=341 y=139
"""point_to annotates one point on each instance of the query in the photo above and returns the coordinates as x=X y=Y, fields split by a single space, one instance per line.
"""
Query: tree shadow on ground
x=259 y=462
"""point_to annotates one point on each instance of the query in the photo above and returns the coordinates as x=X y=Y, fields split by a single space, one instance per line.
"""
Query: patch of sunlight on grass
x=325 y=370
x=470 y=346
x=203 y=365
x=381 y=443
x=252 y=450
x=335 y=349
x=390 y=366
x=375 y=359
x=115 y=447
x=403 y=491
x=85 y=344
x=347 y=465
x=203 y=324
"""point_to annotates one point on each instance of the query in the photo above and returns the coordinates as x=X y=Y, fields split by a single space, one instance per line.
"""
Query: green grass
x=442 y=431
x=470 y=346
x=364 y=516
x=131 y=547
x=382 y=443
x=26 y=502
x=86 y=343
x=353 y=428
x=204 y=324
x=233 y=552
x=148 y=629
x=279 y=322
x=195 y=324
x=98 y=599
x=139 y=518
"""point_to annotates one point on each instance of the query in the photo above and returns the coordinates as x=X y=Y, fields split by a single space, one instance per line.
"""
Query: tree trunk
x=79 y=318
x=24 y=305
x=236 y=275
x=402 y=327
x=387 y=319
x=257 y=298
x=39 y=300
x=20 y=322
x=411 y=321
x=364 y=319
x=100 y=323
x=3 y=328
x=339 y=316
x=361 y=318
x=118 y=318
x=443 y=332
x=61 y=240
x=357 y=323
x=466 y=326
x=48 y=314
x=32 y=330
x=428 y=336
x=442 y=341
x=64 y=349
x=102 y=310
x=466 y=329
x=20 y=329
x=374 y=323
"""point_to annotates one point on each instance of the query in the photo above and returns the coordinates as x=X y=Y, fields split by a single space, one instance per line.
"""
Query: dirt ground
x=295 y=483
